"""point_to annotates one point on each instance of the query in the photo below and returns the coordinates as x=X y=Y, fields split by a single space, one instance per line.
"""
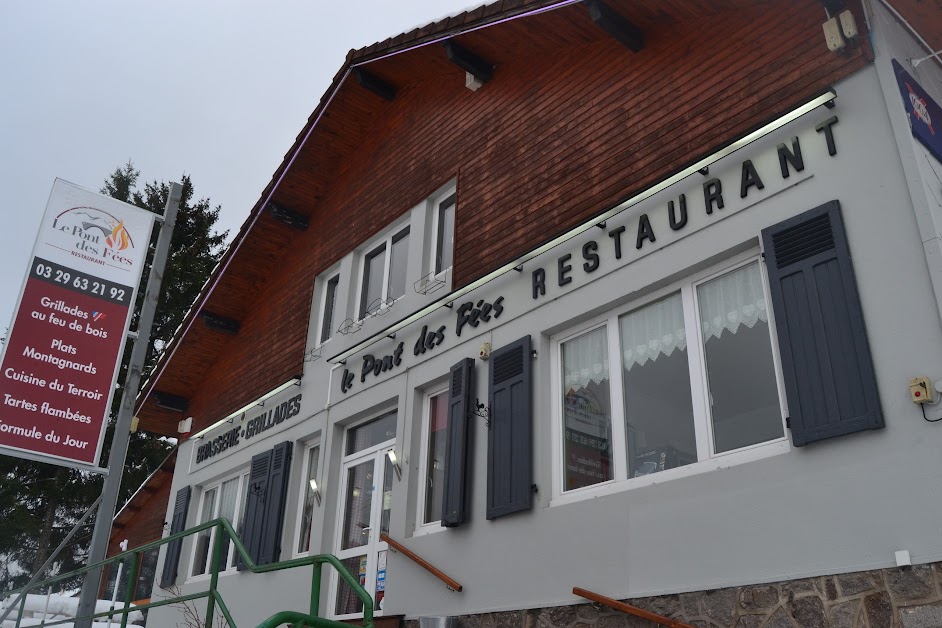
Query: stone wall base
x=908 y=597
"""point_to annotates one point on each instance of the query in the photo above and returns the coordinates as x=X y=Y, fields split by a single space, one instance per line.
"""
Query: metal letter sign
x=925 y=115
x=67 y=338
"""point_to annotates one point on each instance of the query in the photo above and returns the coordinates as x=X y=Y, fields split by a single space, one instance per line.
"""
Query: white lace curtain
x=658 y=329
x=585 y=359
x=732 y=300
x=655 y=329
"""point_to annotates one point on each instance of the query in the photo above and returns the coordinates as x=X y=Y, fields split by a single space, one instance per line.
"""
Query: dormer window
x=328 y=313
x=444 y=233
x=384 y=273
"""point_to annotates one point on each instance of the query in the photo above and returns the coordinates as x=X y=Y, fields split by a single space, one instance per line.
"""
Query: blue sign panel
x=925 y=115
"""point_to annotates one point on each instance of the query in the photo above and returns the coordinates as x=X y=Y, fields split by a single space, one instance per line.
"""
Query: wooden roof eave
x=449 y=27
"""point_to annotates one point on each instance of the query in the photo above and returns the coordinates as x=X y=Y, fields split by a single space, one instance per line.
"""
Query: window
x=587 y=410
x=384 y=273
x=308 y=499
x=432 y=465
x=686 y=377
x=222 y=500
x=444 y=233
x=328 y=309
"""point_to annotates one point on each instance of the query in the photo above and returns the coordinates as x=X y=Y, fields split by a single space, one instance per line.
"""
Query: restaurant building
x=637 y=297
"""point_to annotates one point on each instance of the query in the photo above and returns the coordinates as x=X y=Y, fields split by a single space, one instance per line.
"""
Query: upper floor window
x=683 y=379
x=444 y=232
x=384 y=273
x=328 y=302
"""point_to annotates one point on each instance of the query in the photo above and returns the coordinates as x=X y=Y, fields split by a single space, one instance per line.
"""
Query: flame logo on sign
x=919 y=108
x=118 y=239
x=94 y=227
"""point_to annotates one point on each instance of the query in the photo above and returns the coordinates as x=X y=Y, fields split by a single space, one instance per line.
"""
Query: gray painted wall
x=842 y=505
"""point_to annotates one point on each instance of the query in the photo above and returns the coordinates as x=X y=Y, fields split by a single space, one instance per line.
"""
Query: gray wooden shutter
x=177 y=524
x=830 y=383
x=275 y=501
x=509 y=439
x=454 y=504
x=254 y=522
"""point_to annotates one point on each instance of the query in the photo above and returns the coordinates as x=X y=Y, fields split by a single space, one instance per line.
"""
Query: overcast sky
x=217 y=89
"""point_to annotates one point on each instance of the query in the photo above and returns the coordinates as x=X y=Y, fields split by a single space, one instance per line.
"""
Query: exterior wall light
x=316 y=491
x=184 y=427
x=394 y=460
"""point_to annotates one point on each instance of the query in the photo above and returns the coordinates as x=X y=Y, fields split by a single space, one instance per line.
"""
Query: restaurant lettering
x=644 y=234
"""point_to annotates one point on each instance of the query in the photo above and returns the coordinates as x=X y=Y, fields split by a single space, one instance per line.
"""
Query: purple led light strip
x=152 y=380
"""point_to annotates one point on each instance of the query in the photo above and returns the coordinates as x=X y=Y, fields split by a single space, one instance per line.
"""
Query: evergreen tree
x=39 y=502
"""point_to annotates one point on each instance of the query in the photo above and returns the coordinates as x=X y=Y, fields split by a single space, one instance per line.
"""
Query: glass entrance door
x=367 y=504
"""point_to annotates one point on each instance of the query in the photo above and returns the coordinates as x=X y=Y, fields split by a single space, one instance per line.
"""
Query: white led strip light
x=759 y=133
x=294 y=381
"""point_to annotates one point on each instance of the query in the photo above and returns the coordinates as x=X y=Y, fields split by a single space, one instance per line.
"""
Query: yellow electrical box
x=920 y=390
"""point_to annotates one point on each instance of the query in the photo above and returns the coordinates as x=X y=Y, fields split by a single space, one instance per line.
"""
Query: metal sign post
x=122 y=431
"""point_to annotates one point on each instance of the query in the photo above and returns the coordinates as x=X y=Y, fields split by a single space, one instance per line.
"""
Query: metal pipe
x=912 y=30
x=52 y=557
x=442 y=38
x=128 y=589
x=122 y=430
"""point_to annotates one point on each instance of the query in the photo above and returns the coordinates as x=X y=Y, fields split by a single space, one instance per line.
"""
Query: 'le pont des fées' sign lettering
x=469 y=314
x=250 y=429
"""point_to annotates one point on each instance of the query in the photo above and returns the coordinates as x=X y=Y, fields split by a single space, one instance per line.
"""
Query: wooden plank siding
x=571 y=123
x=141 y=520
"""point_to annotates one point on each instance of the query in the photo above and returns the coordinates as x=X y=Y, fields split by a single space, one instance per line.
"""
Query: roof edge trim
x=231 y=251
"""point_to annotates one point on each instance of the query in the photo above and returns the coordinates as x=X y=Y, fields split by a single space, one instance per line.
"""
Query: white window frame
x=387 y=240
x=436 y=202
x=420 y=526
x=378 y=453
x=305 y=468
x=243 y=477
x=322 y=307
x=707 y=458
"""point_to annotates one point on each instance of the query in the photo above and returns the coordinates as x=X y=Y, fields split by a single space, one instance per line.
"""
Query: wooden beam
x=833 y=6
x=450 y=582
x=290 y=217
x=374 y=84
x=220 y=323
x=615 y=25
x=661 y=620
x=169 y=401
x=468 y=61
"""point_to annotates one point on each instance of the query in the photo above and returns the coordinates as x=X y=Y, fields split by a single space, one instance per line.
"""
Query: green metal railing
x=223 y=532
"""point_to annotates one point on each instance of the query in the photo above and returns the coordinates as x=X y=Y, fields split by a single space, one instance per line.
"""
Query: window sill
x=205 y=577
x=355 y=616
x=428 y=528
x=721 y=461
